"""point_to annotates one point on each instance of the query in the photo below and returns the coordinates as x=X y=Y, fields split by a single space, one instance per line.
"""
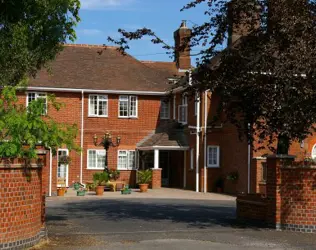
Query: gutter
x=197 y=158
x=205 y=140
x=50 y=172
x=127 y=92
x=81 y=139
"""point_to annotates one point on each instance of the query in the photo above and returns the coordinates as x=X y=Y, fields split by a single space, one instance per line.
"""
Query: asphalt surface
x=150 y=224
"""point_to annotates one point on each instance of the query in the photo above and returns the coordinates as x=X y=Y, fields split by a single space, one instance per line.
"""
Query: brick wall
x=21 y=207
x=291 y=197
x=156 y=178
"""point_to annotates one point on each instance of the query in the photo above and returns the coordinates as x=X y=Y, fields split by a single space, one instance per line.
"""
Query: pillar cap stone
x=281 y=157
x=156 y=169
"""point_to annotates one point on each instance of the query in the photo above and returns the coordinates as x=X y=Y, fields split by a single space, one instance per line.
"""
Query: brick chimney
x=182 y=45
x=239 y=24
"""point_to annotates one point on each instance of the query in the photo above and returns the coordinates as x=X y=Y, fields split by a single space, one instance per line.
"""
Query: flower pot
x=81 y=193
x=99 y=190
x=76 y=186
x=60 y=192
x=143 y=188
x=219 y=190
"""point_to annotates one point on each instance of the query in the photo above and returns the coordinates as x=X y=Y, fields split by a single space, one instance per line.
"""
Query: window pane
x=122 y=159
x=103 y=108
x=212 y=156
x=31 y=97
x=123 y=104
x=165 y=109
x=133 y=106
x=92 y=159
x=100 y=159
x=132 y=160
x=93 y=105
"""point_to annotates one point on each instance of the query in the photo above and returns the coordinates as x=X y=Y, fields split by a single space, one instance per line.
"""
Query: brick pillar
x=156 y=178
x=274 y=164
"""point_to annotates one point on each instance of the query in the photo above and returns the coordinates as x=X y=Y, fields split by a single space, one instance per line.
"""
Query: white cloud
x=104 y=4
x=90 y=32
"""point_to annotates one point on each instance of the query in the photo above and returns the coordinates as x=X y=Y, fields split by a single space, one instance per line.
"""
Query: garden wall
x=22 y=207
x=290 y=203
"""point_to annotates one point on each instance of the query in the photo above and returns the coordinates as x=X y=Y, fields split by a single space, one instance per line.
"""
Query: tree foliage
x=266 y=79
x=22 y=128
x=32 y=33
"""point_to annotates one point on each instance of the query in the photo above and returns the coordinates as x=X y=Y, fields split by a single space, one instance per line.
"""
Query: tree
x=32 y=33
x=266 y=75
x=22 y=128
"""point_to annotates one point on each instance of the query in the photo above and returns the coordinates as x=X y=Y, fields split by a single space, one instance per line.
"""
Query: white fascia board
x=126 y=92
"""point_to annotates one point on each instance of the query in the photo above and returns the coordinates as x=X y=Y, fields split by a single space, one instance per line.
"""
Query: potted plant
x=77 y=185
x=114 y=174
x=144 y=178
x=99 y=180
x=81 y=191
x=60 y=191
x=219 y=185
x=126 y=190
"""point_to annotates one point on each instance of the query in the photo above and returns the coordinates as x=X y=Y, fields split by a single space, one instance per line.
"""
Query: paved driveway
x=163 y=219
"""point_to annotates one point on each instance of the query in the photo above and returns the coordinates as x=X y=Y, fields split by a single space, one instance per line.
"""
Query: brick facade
x=22 y=210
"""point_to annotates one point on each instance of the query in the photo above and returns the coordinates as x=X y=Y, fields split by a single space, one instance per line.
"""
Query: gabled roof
x=166 y=136
x=84 y=67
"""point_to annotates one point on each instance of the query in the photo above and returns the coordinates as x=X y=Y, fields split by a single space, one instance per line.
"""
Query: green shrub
x=100 y=179
x=145 y=176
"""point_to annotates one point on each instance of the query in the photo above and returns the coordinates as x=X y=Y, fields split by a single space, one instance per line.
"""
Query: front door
x=62 y=169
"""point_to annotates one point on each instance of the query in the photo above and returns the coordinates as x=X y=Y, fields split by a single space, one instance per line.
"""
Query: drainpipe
x=81 y=140
x=197 y=168
x=249 y=163
x=205 y=140
x=50 y=172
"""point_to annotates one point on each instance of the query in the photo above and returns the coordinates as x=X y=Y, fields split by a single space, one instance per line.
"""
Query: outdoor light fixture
x=106 y=143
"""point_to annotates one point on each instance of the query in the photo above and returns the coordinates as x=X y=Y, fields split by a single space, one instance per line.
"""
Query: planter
x=126 y=191
x=99 y=190
x=81 y=193
x=60 y=192
x=76 y=186
x=143 y=188
x=219 y=190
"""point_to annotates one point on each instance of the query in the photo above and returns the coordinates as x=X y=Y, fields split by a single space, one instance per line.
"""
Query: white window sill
x=214 y=166
x=95 y=168
x=126 y=169
x=127 y=117
x=96 y=116
x=164 y=118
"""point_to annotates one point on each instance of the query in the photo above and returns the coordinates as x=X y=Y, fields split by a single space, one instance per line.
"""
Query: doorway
x=62 y=169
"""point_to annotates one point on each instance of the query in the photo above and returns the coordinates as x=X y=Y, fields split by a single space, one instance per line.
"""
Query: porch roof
x=167 y=138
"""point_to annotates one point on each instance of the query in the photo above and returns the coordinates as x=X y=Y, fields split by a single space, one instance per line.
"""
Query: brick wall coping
x=299 y=167
x=281 y=156
x=18 y=166
x=156 y=169
x=259 y=203
x=259 y=158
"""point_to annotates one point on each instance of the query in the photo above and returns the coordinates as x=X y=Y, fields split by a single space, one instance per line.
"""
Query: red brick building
x=106 y=92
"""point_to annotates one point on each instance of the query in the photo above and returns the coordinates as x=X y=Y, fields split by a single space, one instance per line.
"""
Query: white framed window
x=183 y=110
x=32 y=96
x=164 y=109
x=126 y=159
x=128 y=106
x=98 y=105
x=96 y=159
x=192 y=158
x=213 y=156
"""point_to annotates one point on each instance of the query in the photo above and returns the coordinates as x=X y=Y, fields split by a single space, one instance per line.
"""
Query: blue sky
x=102 y=18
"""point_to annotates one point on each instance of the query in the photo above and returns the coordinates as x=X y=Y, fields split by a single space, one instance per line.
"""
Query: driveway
x=162 y=219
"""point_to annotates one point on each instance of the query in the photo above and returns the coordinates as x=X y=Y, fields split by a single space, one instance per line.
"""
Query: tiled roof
x=84 y=67
x=166 y=136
